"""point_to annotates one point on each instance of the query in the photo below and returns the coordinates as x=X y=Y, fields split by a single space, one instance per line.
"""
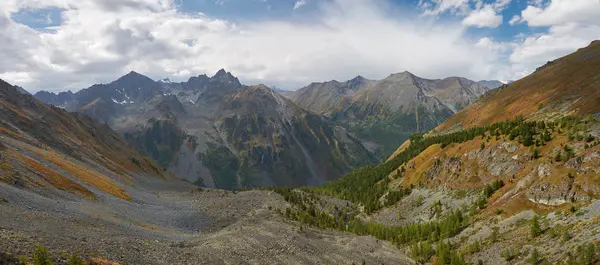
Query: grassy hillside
x=566 y=86
x=46 y=148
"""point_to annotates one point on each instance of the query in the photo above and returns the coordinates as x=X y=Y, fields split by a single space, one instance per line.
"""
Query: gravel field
x=176 y=223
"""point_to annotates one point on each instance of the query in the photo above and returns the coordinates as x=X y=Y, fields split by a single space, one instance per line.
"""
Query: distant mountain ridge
x=219 y=133
x=392 y=108
x=491 y=84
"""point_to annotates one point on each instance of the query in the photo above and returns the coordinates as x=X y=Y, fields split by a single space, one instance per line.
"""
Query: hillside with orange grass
x=566 y=86
x=46 y=146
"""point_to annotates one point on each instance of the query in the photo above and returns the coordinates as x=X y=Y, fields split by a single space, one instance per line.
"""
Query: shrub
x=508 y=255
x=558 y=157
x=23 y=260
x=535 y=154
x=566 y=236
x=76 y=260
x=535 y=257
x=41 y=256
x=494 y=235
x=590 y=138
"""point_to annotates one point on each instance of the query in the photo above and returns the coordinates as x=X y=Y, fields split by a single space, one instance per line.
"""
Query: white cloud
x=501 y=4
x=573 y=24
x=560 y=41
x=484 y=17
x=490 y=44
x=100 y=40
x=458 y=7
x=300 y=3
x=514 y=20
x=537 y=3
x=563 y=11
x=97 y=42
x=436 y=7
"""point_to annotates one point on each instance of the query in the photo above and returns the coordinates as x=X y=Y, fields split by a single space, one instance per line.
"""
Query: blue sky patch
x=39 y=19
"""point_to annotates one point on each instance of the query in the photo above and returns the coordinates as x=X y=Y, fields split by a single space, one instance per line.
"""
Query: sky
x=59 y=45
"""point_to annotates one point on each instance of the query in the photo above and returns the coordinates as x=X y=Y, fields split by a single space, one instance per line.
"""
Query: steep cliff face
x=218 y=133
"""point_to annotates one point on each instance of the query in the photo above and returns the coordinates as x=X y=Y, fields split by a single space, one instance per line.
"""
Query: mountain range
x=388 y=111
x=216 y=132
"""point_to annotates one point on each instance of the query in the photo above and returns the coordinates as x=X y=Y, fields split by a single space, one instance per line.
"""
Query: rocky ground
x=184 y=225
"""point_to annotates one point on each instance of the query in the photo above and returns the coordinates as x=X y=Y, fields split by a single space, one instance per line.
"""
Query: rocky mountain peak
x=134 y=77
x=262 y=87
x=223 y=75
x=400 y=76
x=356 y=82
x=225 y=80
x=166 y=81
x=196 y=82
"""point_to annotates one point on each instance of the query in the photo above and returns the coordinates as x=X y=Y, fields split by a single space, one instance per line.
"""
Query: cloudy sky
x=71 y=44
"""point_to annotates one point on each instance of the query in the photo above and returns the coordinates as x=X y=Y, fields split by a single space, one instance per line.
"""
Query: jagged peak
x=324 y=83
x=41 y=92
x=405 y=73
x=133 y=75
x=166 y=81
x=221 y=73
x=199 y=77
x=226 y=77
x=402 y=75
x=358 y=78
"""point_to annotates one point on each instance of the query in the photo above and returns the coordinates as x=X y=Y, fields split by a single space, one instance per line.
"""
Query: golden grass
x=79 y=170
x=101 y=261
x=88 y=175
x=55 y=179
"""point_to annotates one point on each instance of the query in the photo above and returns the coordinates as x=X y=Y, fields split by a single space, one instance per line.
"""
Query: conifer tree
x=536 y=230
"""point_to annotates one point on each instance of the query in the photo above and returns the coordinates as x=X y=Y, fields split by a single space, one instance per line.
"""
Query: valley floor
x=184 y=225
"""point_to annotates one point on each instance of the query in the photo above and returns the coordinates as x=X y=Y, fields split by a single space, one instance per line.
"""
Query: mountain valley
x=211 y=171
